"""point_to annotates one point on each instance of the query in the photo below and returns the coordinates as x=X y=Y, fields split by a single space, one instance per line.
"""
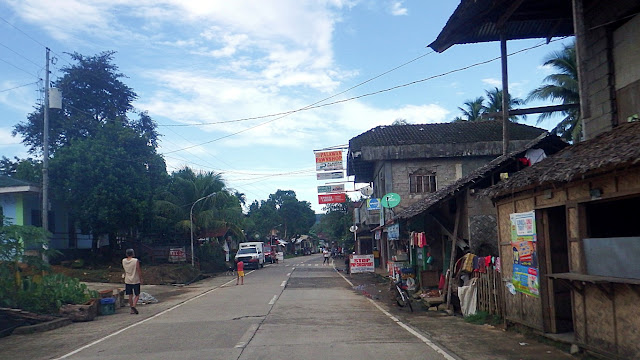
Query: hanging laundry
x=535 y=155
x=524 y=161
x=497 y=264
x=467 y=264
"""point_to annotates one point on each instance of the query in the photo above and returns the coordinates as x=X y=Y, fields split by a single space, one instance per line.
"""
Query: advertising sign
x=329 y=160
x=177 y=255
x=393 y=232
x=331 y=198
x=328 y=156
x=373 y=204
x=330 y=175
x=332 y=165
x=361 y=263
x=331 y=188
x=525 y=255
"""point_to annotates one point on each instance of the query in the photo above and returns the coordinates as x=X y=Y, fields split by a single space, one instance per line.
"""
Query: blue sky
x=195 y=62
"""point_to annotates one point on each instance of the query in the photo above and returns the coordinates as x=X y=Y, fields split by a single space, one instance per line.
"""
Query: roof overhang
x=476 y=21
x=19 y=189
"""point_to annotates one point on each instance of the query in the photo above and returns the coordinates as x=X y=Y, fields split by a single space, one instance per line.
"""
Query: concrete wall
x=610 y=49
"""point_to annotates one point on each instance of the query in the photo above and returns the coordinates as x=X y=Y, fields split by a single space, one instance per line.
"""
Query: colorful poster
x=332 y=198
x=525 y=253
x=525 y=280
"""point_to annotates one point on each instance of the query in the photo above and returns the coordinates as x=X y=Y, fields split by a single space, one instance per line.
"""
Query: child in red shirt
x=240 y=272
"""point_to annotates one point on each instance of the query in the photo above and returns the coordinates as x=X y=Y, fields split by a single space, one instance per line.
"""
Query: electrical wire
x=317 y=104
x=19 y=68
x=20 y=86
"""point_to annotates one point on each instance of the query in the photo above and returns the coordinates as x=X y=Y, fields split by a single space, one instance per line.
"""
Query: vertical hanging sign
x=525 y=256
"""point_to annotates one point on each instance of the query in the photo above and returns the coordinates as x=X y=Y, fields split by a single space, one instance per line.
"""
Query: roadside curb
x=45 y=326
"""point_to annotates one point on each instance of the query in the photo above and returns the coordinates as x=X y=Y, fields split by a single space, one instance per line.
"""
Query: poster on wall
x=525 y=254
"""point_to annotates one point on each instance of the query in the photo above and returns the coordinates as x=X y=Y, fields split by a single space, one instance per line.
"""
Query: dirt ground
x=163 y=274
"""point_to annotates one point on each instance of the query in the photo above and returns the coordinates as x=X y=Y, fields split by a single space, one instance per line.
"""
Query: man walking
x=132 y=279
x=325 y=253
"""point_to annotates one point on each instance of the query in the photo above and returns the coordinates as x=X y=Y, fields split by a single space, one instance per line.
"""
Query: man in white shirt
x=132 y=279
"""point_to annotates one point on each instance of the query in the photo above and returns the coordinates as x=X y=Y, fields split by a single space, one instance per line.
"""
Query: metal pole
x=193 y=264
x=505 y=94
x=45 y=151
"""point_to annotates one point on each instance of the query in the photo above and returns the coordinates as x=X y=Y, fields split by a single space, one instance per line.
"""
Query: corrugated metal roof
x=477 y=21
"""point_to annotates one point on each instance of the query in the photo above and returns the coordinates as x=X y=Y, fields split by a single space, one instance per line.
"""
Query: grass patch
x=482 y=317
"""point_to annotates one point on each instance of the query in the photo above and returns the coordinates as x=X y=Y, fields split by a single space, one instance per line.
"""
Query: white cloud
x=397 y=8
x=493 y=82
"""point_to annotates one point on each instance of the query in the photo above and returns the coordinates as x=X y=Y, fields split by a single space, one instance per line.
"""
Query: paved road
x=298 y=309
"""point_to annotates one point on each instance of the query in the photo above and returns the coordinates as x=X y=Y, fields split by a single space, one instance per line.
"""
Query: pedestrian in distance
x=132 y=279
x=240 y=272
x=325 y=254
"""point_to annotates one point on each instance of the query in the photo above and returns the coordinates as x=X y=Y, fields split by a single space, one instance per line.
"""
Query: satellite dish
x=367 y=191
x=353 y=228
x=390 y=200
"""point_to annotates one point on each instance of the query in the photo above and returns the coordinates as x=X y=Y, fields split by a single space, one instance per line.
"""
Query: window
x=420 y=183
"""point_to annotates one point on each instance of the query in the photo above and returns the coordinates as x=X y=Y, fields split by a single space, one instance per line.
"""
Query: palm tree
x=494 y=103
x=472 y=110
x=215 y=212
x=562 y=86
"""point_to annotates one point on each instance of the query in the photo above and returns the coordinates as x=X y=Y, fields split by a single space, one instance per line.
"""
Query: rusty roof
x=476 y=21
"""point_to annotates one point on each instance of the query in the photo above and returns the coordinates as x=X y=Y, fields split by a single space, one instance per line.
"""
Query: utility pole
x=45 y=151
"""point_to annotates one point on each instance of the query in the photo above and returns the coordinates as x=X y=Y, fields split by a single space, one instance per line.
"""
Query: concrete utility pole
x=45 y=150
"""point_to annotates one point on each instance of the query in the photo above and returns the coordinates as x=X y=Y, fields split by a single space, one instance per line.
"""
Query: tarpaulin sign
x=361 y=263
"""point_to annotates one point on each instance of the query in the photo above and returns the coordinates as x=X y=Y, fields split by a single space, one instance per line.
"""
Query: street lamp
x=193 y=264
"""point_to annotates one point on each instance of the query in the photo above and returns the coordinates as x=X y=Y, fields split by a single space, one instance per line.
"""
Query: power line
x=19 y=68
x=22 y=56
x=318 y=105
x=17 y=87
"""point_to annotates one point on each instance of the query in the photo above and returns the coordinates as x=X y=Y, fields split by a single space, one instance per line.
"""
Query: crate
x=107 y=306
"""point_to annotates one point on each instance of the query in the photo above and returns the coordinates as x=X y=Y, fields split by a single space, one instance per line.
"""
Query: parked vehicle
x=251 y=254
x=270 y=254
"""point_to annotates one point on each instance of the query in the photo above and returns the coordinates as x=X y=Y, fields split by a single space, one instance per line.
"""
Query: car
x=251 y=256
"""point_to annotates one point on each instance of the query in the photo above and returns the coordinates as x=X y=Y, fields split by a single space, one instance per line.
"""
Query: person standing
x=240 y=272
x=325 y=254
x=132 y=279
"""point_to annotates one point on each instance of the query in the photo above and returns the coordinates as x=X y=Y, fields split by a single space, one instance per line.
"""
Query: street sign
x=390 y=200
x=331 y=165
x=361 y=263
x=330 y=175
x=177 y=255
x=331 y=188
x=332 y=198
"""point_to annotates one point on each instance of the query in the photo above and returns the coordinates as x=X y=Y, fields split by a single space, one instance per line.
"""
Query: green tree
x=104 y=165
x=472 y=110
x=335 y=223
x=220 y=208
x=562 y=86
x=22 y=169
x=494 y=103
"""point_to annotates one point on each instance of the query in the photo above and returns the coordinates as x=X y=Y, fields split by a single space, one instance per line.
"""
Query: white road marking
x=244 y=340
x=317 y=264
x=413 y=332
x=145 y=320
x=284 y=283
x=275 y=297
x=289 y=274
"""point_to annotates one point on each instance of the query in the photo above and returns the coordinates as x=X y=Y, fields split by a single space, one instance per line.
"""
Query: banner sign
x=331 y=188
x=177 y=255
x=361 y=263
x=330 y=175
x=525 y=254
x=373 y=204
x=393 y=232
x=332 y=198
x=333 y=165
x=329 y=160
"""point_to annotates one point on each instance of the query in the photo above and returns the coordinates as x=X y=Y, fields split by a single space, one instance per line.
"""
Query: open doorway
x=558 y=296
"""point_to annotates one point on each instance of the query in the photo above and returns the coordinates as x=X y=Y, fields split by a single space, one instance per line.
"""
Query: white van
x=251 y=254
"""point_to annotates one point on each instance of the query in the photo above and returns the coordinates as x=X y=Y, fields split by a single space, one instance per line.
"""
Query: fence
x=490 y=293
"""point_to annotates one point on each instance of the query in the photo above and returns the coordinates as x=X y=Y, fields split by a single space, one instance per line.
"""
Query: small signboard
x=177 y=255
x=332 y=198
x=328 y=156
x=332 y=165
x=373 y=204
x=390 y=200
x=361 y=263
x=393 y=232
x=330 y=175
x=331 y=188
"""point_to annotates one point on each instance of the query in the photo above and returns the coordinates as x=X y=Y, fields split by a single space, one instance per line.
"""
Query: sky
x=203 y=69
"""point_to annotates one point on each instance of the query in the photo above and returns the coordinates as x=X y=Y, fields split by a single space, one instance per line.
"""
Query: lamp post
x=193 y=264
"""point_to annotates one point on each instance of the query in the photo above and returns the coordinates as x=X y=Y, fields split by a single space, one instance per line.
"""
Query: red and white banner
x=329 y=160
x=361 y=263
x=332 y=198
